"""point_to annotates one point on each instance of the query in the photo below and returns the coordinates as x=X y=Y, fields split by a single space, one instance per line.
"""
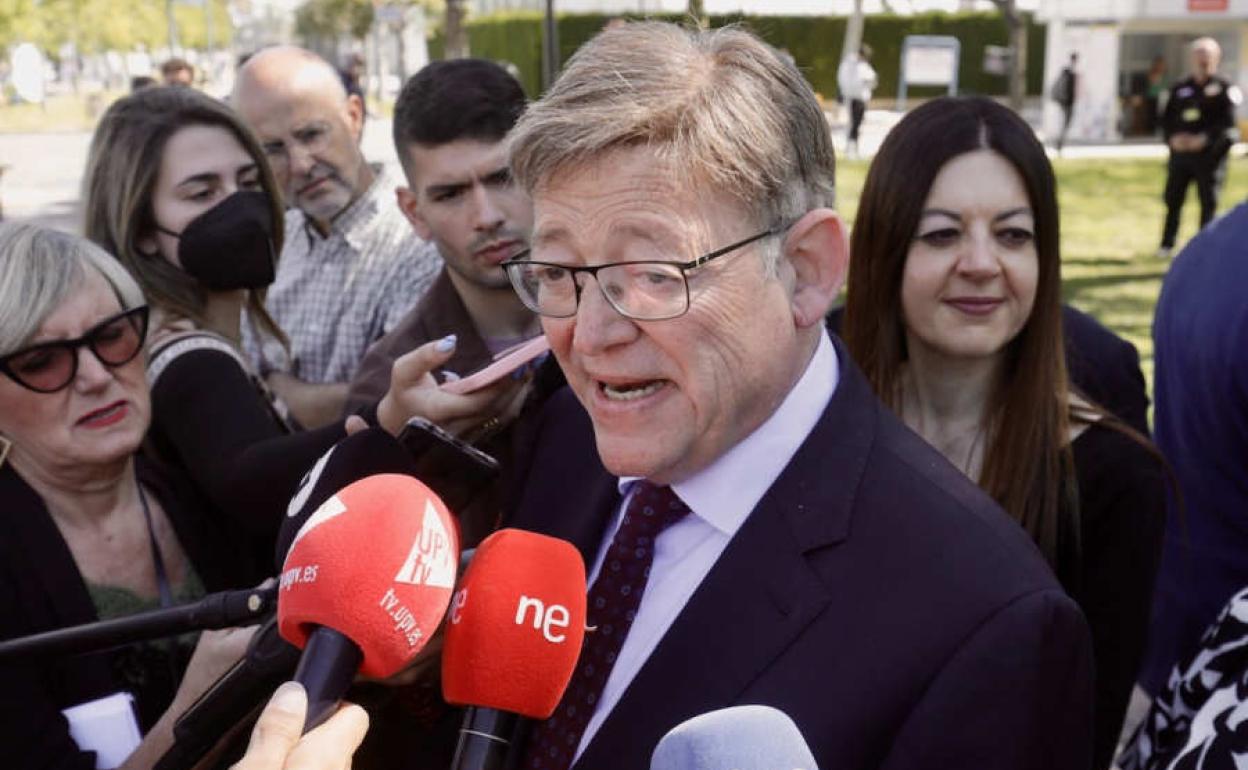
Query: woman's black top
x=1122 y=508
x=41 y=589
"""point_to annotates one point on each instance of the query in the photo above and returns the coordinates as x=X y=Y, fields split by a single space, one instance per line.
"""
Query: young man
x=449 y=125
x=351 y=266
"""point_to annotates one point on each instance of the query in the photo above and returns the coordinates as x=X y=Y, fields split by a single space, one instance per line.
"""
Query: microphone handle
x=329 y=664
x=269 y=661
x=219 y=610
x=484 y=739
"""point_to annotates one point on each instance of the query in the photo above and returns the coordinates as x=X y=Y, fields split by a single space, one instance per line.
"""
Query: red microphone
x=512 y=639
x=366 y=581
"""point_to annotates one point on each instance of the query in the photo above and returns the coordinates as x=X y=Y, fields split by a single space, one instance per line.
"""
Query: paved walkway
x=44 y=171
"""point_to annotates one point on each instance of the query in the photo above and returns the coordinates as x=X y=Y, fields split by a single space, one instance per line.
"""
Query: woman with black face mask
x=179 y=190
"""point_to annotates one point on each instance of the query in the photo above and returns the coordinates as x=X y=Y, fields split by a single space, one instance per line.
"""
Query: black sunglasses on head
x=51 y=366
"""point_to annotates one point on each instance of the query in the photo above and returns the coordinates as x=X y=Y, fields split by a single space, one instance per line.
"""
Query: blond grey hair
x=1207 y=43
x=39 y=269
x=723 y=108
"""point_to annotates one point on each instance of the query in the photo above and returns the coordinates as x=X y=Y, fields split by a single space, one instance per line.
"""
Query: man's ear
x=355 y=116
x=818 y=251
x=409 y=204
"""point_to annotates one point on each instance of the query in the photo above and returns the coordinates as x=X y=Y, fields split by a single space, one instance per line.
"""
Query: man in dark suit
x=757 y=528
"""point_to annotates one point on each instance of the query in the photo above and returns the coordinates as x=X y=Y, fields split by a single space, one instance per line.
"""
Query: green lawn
x=1111 y=224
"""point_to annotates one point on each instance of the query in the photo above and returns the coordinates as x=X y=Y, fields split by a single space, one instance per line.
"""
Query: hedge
x=813 y=41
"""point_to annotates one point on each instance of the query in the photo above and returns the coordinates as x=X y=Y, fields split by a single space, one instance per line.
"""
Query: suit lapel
x=760 y=594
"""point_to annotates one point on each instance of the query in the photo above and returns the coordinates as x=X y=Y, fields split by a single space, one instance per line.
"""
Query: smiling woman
x=954 y=313
x=89 y=527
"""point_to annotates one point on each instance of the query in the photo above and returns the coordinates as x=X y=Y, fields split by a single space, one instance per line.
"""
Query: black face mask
x=230 y=246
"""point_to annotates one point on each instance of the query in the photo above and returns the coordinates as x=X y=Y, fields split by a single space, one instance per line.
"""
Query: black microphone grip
x=269 y=661
x=328 y=666
x=219 y=610
x=484 y=739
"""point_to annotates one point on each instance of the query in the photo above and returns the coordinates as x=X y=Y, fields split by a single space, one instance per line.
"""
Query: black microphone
x=269 y=661
x=357 y=456
x=219 y=610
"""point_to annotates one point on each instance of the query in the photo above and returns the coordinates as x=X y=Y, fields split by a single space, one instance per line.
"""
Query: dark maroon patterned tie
x=613 y=601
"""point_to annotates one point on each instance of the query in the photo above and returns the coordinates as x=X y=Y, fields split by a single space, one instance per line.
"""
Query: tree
x=696 y=10
x=329 y=20
x=1016 y=25
x=455 y=31
x=17 y=21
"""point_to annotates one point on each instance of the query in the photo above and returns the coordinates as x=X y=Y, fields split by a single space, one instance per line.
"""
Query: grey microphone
x=736 y=738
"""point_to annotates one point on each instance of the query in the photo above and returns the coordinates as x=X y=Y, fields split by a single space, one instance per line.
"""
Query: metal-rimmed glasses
x=51 y=366
x=651 y=290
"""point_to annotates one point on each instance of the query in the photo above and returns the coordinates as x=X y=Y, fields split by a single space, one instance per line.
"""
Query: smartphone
x=504 y=364
x=453 y=469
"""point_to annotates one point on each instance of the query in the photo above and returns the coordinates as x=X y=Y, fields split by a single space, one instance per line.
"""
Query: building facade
x=1119 y=42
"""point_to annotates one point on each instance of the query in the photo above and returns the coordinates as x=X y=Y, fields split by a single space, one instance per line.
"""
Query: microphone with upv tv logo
x=365 y=584
x=512 y=640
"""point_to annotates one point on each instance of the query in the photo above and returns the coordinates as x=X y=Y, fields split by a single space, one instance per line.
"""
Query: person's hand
x=414 y=392
x=276 y=743
x=215 y=653
x=1185 y=141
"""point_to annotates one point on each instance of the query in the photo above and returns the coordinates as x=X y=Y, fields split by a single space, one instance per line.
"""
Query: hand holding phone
x=504 y=364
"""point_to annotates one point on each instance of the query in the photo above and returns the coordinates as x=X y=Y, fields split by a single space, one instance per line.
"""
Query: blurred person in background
x=954 y=313
x=856 y=79
x=1199 y=127
x=92 y=529
x=177 y=72
x=351 y=266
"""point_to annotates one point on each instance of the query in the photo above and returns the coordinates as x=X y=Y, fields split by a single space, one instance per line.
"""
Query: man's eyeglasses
x=644 y=290
x=50 y=366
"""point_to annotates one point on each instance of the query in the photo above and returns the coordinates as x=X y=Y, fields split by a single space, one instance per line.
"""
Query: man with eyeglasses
x=351 y=266
x=757 y=527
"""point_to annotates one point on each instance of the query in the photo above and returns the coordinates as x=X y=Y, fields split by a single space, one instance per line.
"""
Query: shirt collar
x=724 y=493
x=354 y=221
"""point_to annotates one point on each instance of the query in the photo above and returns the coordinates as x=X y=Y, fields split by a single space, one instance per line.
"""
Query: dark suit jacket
x=1101 y=365
x=874 y=594
x=41 y=589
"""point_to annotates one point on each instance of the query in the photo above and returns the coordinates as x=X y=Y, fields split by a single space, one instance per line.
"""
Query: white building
x=1117 y=42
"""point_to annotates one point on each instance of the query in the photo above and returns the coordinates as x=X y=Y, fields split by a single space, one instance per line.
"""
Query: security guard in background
x=1199 y=126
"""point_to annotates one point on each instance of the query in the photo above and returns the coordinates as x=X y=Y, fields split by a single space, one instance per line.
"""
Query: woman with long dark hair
x=954 y=313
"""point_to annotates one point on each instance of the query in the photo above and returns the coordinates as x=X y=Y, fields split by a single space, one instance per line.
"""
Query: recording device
x=219 y=610
x=503 y=364
x=366 y=582
x=455 y=470
x=740 y=738
x=513 y=637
